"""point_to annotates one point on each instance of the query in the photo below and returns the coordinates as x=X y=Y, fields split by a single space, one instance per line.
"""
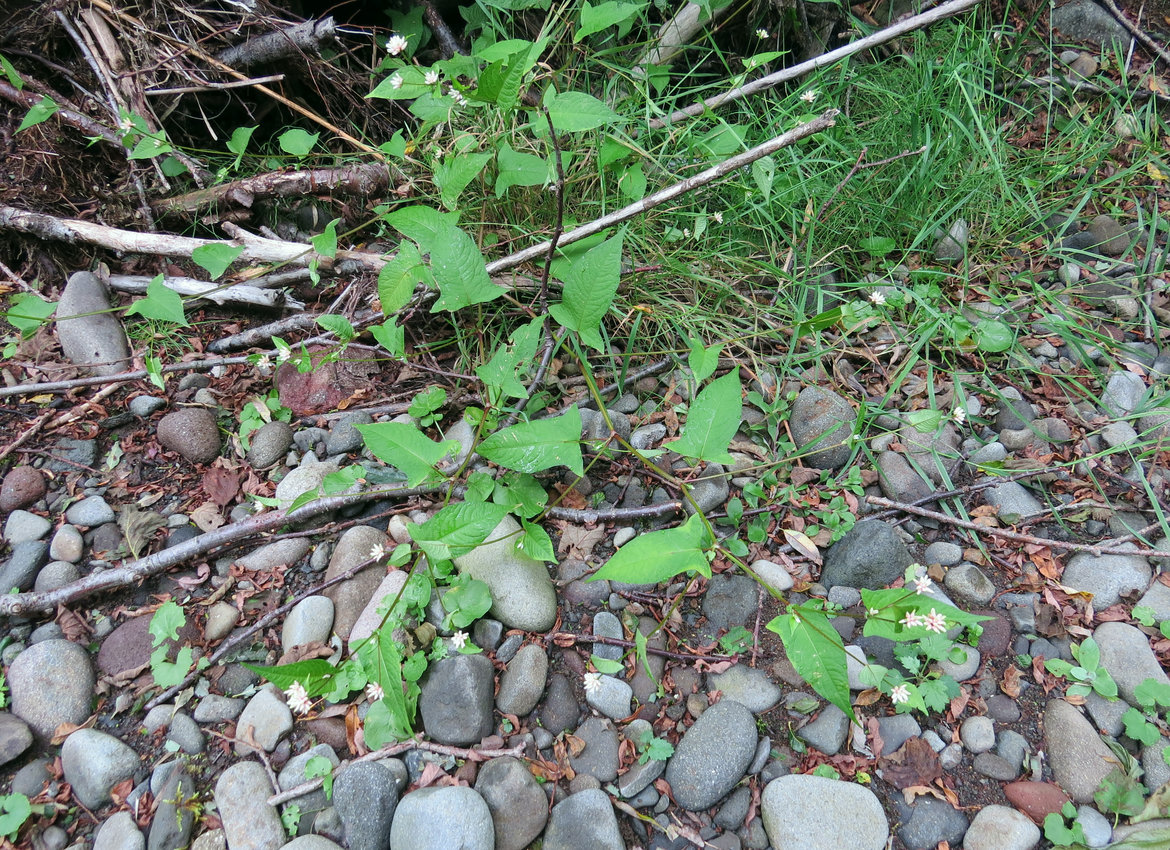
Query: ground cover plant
x=539 y=231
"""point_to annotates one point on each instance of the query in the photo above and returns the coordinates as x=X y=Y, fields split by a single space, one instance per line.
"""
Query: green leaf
x=11 y=73
x=216 y=257
x=703 y=361
x=1088 y=654
x=238 y=143
x=16 y=809
x=607 y=665
x=149 y=147
x=518 y=169
x=1139 y=728
x=502 y=373
x=297 y=142
x=712 y=421
x=165 y=623
x=816 y=651
x=457 y=265
x=878 y=246
x=937 y=693
x=315 y=675
x=456 y=171
x=994 y=336
x=535 y=542
x=399 y=277
x=160 y=303
x=1119 y=793
x=1144 y=614
x=392 y=717
x=38 y=113
x=926 y=419
x=603 y=16
x=660 y=555
x=658 y=749
x=457 y=529
x=391 y=336
x=632 y=183
x=168 y=674
x=321 y=767
x=466 y=602
x=520 y=493
x=27 y=311
x=404 y=446
x=337 y=325
x=1152 y=692
x=590 y=285
x=325 y=242
x=575 y=111
x=538 y=445
x=763 y=173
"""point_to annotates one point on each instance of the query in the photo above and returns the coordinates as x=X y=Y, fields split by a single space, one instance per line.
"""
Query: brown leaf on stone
x=306 y=652
x=914 y=763
x=329 y=383
x=1010 y=683
x=207 y=517
x=576 y=745
x=138 y=527
x=577 y=541
x=73 y=625
x=221 y=485
x=867 y=697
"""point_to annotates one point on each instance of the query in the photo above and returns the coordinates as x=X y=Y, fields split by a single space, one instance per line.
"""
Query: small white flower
x=912 y=620
x=264 y=363
x=298 y=698
x=458 y=97
x=877 y=297
x=377 y=551
x=959 y=414
x=810 y=96
x=374 y=692
x=761 y=33
x=899 y=694
x=283 y=354
x=396 y=82
x=921 y=584
x=718 y=217
x=592 y=683
x=431 y=78
x=395 y=45
x=936 y=622
x=873 y=612
x=459 y=640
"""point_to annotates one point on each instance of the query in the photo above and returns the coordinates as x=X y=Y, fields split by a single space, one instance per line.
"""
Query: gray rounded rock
x=1107 y=577
x=871 y=555
x=265 y=720
x=312 y=842
x=599 y=756
x=1080 y=759
x=93 y=763
x=791 y=821
x=969 y=584
x=89 y=333
x=119 y=832
x=978 y=733
x=441 y=819
x=522 y=682
x=351 y=596
x=583 y=821
x=457 y=698
x=522 y=592
x=309 y=621
x=822 y=422
x=91 y=511
x=241 y=798
x=67 y=545
x=749 y=686
x=15 y=737
x=305 y=478
x=269 y=444
x=518 y=805
x=365 y=796
x=712 y=756
x=1001 y=828
x=192 y=432
x=51 y=683
x=1126 y=654
x=22 y=526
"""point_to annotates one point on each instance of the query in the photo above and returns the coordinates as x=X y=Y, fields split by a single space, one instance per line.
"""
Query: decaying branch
x=305 y=37
x=916 y=22
x=70 y=116
x=369 y=178
x=710 y=175
x=677 y=33
x=256 y=249
x=218 y=293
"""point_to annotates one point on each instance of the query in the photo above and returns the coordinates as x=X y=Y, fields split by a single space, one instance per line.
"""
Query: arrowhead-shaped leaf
x=660 y=555
x=538 y=445
x=817 y=652
x=712 y=421
x=405 y=447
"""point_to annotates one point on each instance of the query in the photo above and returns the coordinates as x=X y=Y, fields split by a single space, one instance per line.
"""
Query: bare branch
x=305 y=37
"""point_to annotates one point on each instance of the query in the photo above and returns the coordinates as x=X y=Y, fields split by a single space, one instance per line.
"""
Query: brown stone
x=1035 y=799
x=22 y=486
x=192 y=432
x=997 y=635
x=127 y=648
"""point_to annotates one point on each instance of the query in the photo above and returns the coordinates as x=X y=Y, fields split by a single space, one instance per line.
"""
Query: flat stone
x=309 y=621
x=90 y=512
x=371 y=617
x=611 y=696
x=365 y=796
x=897 y=729
x=522 y=592
x=1107 y=577
x=67 y=545
x=822 y=423
x=791 y=821
x=1126 y=654
x=22 y=526
x=93 y=763
x=457 y=699
x=22 y=486
x=119 y=832
x=265 y=720
x=90 y=334
x=773 y=575
x=269 y=444
x=870 y=555
x=192 y=432
x=15 y=737
x=599 y=757
x=749 y=686
x=51 y=683
x=522 y=681
x=518 y=805
x=928 y=822
x=969 y=584
x=583 y=821
x=827 y=732
x=1001 y=828
x=712 y=756
x=1079 y=758
x=241 y=799
x=443 y=818
x=351 y=596
x=1012 y=500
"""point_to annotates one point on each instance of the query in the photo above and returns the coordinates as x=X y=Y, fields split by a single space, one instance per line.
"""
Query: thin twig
x=825 y=59
x=710 y=175
x=1138 y=33
x=119 y=378
x=629 y=644
x=1004 y=534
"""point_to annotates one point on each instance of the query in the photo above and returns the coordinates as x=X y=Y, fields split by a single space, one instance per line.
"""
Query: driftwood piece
x=915 y=22
x=218 y=293
x=256 y=249
x=367 y=178
x=305 y=37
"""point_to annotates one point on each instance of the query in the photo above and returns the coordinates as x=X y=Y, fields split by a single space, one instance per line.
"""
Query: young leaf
x=535 y=542
x=607 y=666
x=660 y=555
x=165 y=623
x=407 y=448
x=702 y=360
x=590 y=285
x=16 y=809
x=457 y=529
x=27 y=311
x=712 y=421
x=337 y=325
x=603 y=16
x=11 y=73
x=538 y=445
x=398 y=278
x=508 y=362
x=520 y=493
x=456 y=171
x=763 y=173
x=518 y=169
x=325 y=242
x=216 y=257
x=42 y=111
x=457 y=265
x=160 y=303
x=297 y=141
x=817 y=653
x=574 y=111
x=238 y=143
x=1140 y=729
x=391 y=336
x=994 y=336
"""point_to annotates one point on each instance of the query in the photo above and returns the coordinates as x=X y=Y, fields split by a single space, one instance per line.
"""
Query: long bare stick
x=1137 y=32
x=824 y=122
x=256 y=249
x=912 y=23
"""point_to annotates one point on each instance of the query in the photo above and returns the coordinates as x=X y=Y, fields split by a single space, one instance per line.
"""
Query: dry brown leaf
x=799 y=541
x=221 y=485
x=1010 y=683
x=207 y=517
x=577 y=541
x=912 y=764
